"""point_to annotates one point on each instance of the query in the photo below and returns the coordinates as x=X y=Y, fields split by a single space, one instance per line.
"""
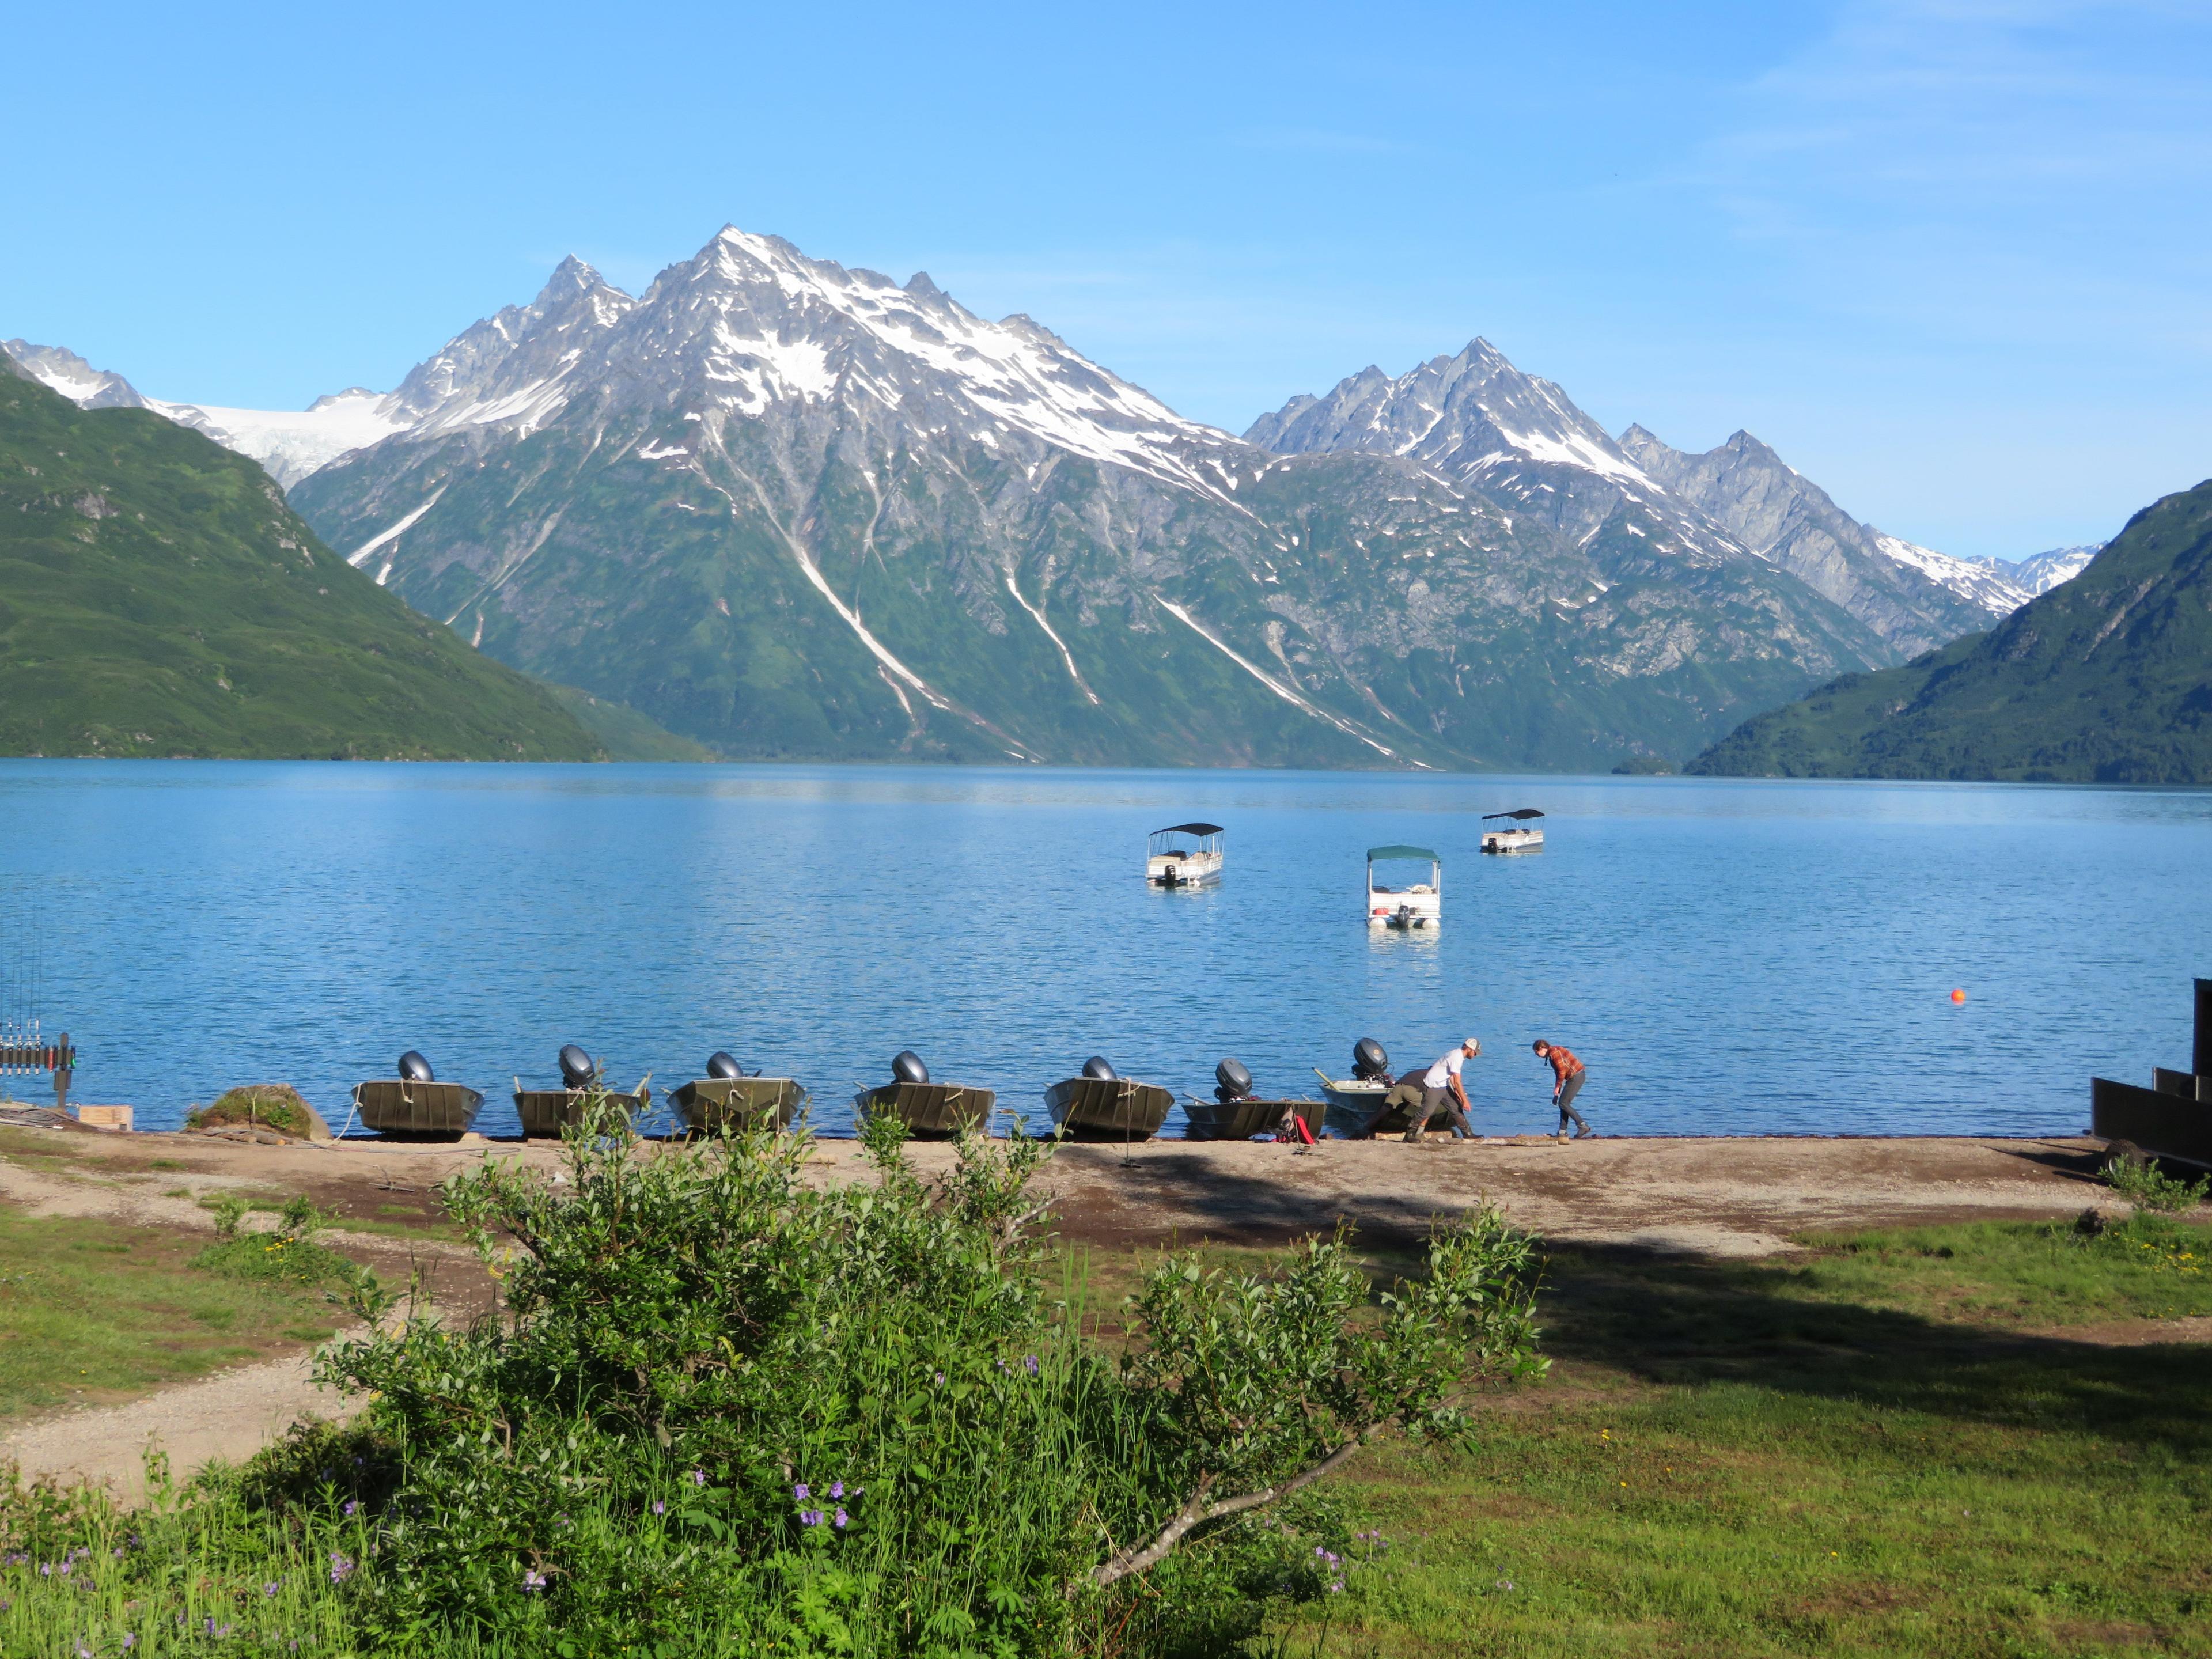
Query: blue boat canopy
x=1189 y=829
x=1375 y=854
x=1517 y=812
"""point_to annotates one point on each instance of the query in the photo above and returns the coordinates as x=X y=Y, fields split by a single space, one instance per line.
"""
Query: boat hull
x=546 y=1112
x=1241 y=1120
x=1513 y=840
x=713 y=1105
x=1108 y=1108
x=1356 y=1112
x=422 y=1111
x=1200 y=870
x=929 y=1109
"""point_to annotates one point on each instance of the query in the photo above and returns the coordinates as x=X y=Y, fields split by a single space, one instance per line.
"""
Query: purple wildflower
x=810 y=1517
x=840 y=1518
x=940 y=1379
x=802 y=1491
x=1029 y=1363
x=352 y=1506
x=128 y=1641
x=269 y=1589
x=47 y=1569
x=659 y=1506
x=836 y=1489
x=341 y=1568
x=698 y=1477
x=532 y=1581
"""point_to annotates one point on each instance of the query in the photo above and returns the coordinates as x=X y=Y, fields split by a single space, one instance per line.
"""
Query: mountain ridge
x=159 y=598
x=2105 y=678
x=796 y=508
x=783 y=507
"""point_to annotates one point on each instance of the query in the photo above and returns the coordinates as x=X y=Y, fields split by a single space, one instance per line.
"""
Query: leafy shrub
x=276 y=1106
x=289 y=1252
x=2146 y=1239
x=2139 y=1180
x=730 y=1412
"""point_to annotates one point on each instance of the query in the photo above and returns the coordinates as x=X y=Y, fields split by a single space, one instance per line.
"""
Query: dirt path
x=230 y=1415
x=1716 y=1197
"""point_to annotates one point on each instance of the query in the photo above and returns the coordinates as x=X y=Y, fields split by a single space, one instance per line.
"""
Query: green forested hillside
x=157 y=598
x=2106 y=678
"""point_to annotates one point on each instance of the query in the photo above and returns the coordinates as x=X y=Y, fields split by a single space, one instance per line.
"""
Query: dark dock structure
x=2174 y=1119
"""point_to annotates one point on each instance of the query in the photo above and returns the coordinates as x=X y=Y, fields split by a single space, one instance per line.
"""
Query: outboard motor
x=1235 y=1082
x=1171 y=876
x=907 y=1068
x=577 y=1070
x=413 y=1068
x=1097 y=1066
x=1369 y=1062
x=723 y=1065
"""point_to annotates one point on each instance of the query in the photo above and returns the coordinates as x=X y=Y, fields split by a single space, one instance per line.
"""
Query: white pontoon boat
x=1184 y=855
x=1520 y=832
x=1411 y=904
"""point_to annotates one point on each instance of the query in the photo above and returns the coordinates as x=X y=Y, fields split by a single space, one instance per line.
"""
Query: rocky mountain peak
x=74 y=377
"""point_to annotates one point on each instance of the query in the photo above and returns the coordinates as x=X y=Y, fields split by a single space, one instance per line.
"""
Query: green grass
x=1898 y=1443
x=92 y=1310
x=1889 y=1445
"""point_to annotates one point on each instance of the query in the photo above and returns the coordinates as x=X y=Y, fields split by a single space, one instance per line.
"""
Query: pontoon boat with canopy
x=1520 y=832
x=1183 y=855
x=1415 y=903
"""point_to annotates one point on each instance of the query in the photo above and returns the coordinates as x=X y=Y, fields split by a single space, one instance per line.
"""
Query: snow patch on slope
x=1979 y=579
x=786 y=318
x=290 y=443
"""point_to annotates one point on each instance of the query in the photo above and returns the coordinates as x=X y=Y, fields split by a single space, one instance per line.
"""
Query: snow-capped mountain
x=787 y=507
x=1915 y=597
x=1984 y=581
x=2040 y=573
x=1477 y=420
x=288 y=444
x=1482 y=423
x=74 y=377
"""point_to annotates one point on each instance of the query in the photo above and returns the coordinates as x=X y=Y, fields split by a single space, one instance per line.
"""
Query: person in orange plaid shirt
x=1567 y=1073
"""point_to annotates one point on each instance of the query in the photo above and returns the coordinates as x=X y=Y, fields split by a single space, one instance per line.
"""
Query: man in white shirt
x=1442 y=1090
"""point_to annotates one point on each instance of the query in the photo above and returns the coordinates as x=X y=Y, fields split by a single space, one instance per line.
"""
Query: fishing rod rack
x=25 y=1050
x=28 y=1047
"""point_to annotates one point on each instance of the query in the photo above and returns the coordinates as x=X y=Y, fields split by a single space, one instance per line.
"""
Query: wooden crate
x=102 y=1117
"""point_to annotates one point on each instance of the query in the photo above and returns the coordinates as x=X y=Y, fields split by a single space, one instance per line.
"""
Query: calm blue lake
x=1727 y=957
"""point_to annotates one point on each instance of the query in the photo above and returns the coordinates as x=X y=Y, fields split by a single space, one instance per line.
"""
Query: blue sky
x=1952 y=257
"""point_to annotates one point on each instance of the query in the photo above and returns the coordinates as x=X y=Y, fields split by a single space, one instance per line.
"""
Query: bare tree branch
x=1198 y=1510
x=1122 y=1563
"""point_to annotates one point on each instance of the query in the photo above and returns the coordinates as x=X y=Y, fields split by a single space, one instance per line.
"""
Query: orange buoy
x=1958 y=996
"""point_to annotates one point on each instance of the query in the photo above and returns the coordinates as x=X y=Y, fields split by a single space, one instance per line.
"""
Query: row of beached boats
x=1098 y=1104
